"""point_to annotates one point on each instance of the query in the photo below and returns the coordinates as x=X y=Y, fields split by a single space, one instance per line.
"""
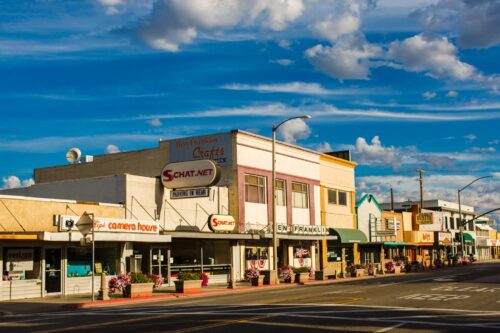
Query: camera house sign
x=111 y=225
x=190 y=174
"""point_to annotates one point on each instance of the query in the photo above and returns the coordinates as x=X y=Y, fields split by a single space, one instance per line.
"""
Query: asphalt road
x=463 y=299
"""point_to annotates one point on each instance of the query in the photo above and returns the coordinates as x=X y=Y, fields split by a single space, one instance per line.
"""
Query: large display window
x=21 y=263
x=80 y=261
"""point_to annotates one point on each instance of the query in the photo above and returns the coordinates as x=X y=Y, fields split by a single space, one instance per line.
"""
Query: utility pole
x=421 y=181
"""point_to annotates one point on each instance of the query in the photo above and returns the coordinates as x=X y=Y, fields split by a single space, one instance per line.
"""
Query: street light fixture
x=460 y=212
x=275 y=224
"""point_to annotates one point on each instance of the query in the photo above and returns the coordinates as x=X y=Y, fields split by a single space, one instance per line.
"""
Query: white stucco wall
x=364 y=211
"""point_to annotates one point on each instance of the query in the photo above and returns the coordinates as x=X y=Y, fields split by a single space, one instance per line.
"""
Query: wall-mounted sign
x=384 y=233
x=391 y=222
x=425 y=218
x=190 y=193
x=116 y=225
x=302 y=229
x=19 y=260
x=215 y=147
x=221 y=223
x=425 y=237
x=493 y=242
x=202 y=173
x=444 y=238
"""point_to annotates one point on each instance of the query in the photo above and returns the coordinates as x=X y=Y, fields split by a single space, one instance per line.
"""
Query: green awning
x=349 y=235
x=394 y=244
x=468 y=238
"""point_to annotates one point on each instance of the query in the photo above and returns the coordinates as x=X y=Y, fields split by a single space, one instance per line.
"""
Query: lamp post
x=460 y=212
x=275 y=224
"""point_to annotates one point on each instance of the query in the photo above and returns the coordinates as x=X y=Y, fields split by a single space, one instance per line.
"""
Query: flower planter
x=397 y=270
x=135 y=290
x=358 y=273
x=301 y=278
x=257 y=281
x=187 y=286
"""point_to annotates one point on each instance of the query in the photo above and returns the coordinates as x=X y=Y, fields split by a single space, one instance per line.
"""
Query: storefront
x=443 y=242
x=344 y=251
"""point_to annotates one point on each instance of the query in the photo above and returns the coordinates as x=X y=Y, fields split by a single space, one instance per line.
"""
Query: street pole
x=460 y=212
x=275 y=224
x=93 y=258
x=421 y=180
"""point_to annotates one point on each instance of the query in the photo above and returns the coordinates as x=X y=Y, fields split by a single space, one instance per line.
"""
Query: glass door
x=159 y=263
x=53 y=270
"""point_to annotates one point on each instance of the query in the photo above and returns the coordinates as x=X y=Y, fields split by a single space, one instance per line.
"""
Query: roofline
x=374 y=199
x=19 y=197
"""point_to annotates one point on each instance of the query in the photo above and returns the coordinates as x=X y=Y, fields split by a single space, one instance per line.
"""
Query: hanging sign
x=190 y=193
x=221 y=223
x=190 y=174
x=425 y=218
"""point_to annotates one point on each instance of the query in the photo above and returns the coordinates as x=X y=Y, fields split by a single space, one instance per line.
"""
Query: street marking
x=473 y=289
x=434 y=297
x=219 y=324
x=387 y=329
x=343 y=292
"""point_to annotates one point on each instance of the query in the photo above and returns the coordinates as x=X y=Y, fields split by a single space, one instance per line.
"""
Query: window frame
x=261 y=188
x=283 y=192
x=304 y=192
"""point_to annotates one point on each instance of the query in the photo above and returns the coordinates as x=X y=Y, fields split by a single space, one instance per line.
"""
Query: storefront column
x=1 y=265
x=324 y=254
x=64 y=268
x=270 y=250
x=169 y=273
x=290 y=255
x=42 y=270
x=355 y=253
x=313 y=257
x=343 y=265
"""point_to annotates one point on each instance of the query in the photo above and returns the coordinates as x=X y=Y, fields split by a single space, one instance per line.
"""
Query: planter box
x=258 y=281
x=269 y=276
x=397 y=270
x=358 y=273
x=187 y=286
x=138 y=290
x=301 y=278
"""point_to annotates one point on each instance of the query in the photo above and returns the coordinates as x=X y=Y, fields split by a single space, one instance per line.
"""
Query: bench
x=326 y=273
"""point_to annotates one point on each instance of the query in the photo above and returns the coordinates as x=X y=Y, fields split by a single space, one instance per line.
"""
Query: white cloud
x=452 y=93
x=349 y=58
x=112 y=6
x=304 y=88
x=483 y=149
x=155 y=122
x=343 y=21
x=470 y=137
x=177 y=22
x=294 y=130
x=494 y=142
x=433 y=55
x=474 y=21
x=111 y=149
x=285 y=44
x=375 y=153
x=429 y=95
x=283 y=62
x=324 y=147
x=14 y=182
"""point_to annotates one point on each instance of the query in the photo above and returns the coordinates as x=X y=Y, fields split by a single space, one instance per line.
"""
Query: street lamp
x=460 y=212
x=275 y=224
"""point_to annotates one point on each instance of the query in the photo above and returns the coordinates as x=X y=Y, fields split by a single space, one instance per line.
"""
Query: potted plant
x=253 y=275
x=357 y=270
x=188 y=282
x=118 y=283
x=301 y=274
x=287 y=274
x=141 y=285
x=372 y=271
x=390 y=267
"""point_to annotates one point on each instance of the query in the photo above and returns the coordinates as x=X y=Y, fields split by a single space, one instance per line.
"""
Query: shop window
x=334 y=254
x=80 y=261
x=256 y=253
x=452 y=223
x=300 y=197
x=446 y=223
x=21 y=263
x=255 y=189
x=332 y=197
x=280 y=192
x=342 y=198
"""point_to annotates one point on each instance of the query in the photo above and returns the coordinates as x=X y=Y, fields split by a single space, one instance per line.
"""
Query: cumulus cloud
x=483 y=149
x=349 y=58
x=176 y=22
x=470 y=137
x=324 y=147
x=14 y=182
x=494 y=142
x=155 y=122
x=294 y=130
x=343 y=21
x=435 y=56
x=111 y=149
x=452 y=93
x=474 y=21
x=375 y=153
x=112 y=6
x=429 y=95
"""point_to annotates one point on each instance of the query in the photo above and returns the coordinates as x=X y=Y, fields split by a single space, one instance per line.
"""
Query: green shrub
x=182 y=276
x=138 y=277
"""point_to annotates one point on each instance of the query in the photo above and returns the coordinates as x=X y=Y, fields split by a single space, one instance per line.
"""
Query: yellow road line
x=219 y=324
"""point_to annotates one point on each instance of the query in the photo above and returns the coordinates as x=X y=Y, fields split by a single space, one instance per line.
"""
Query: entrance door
x=159 y=261
x=53 y=270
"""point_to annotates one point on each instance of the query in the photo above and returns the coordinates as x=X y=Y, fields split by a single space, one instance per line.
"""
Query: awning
x=468 y=238
x=210 y=235
x=349 y=235
x=395 y=244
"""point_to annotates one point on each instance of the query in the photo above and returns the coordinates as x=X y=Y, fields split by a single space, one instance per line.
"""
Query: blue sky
x=402 y=84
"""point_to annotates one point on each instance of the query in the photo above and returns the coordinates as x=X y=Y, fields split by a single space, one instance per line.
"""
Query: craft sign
x=190 y=174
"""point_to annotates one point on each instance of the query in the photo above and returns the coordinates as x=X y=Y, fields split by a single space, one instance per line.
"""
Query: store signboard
x=19 y=260
x=303 y=229
x=425 y=218
x=384 y=233
x=216 y=147
x=114 y=225
x=444 y=238
x=493 y=242
x=425 y=236
x=221 y=223
x=391 y=222
x=301 y=262
x=190 y=174
x=190 y=193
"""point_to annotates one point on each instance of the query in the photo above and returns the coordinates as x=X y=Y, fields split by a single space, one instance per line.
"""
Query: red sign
x=221 y=223
x=190 y=174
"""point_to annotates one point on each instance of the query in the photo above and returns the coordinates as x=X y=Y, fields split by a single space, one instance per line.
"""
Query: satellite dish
x=73 y=155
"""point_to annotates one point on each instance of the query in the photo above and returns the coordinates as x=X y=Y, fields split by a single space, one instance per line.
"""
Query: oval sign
x=201 y=173
x=221 y=223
